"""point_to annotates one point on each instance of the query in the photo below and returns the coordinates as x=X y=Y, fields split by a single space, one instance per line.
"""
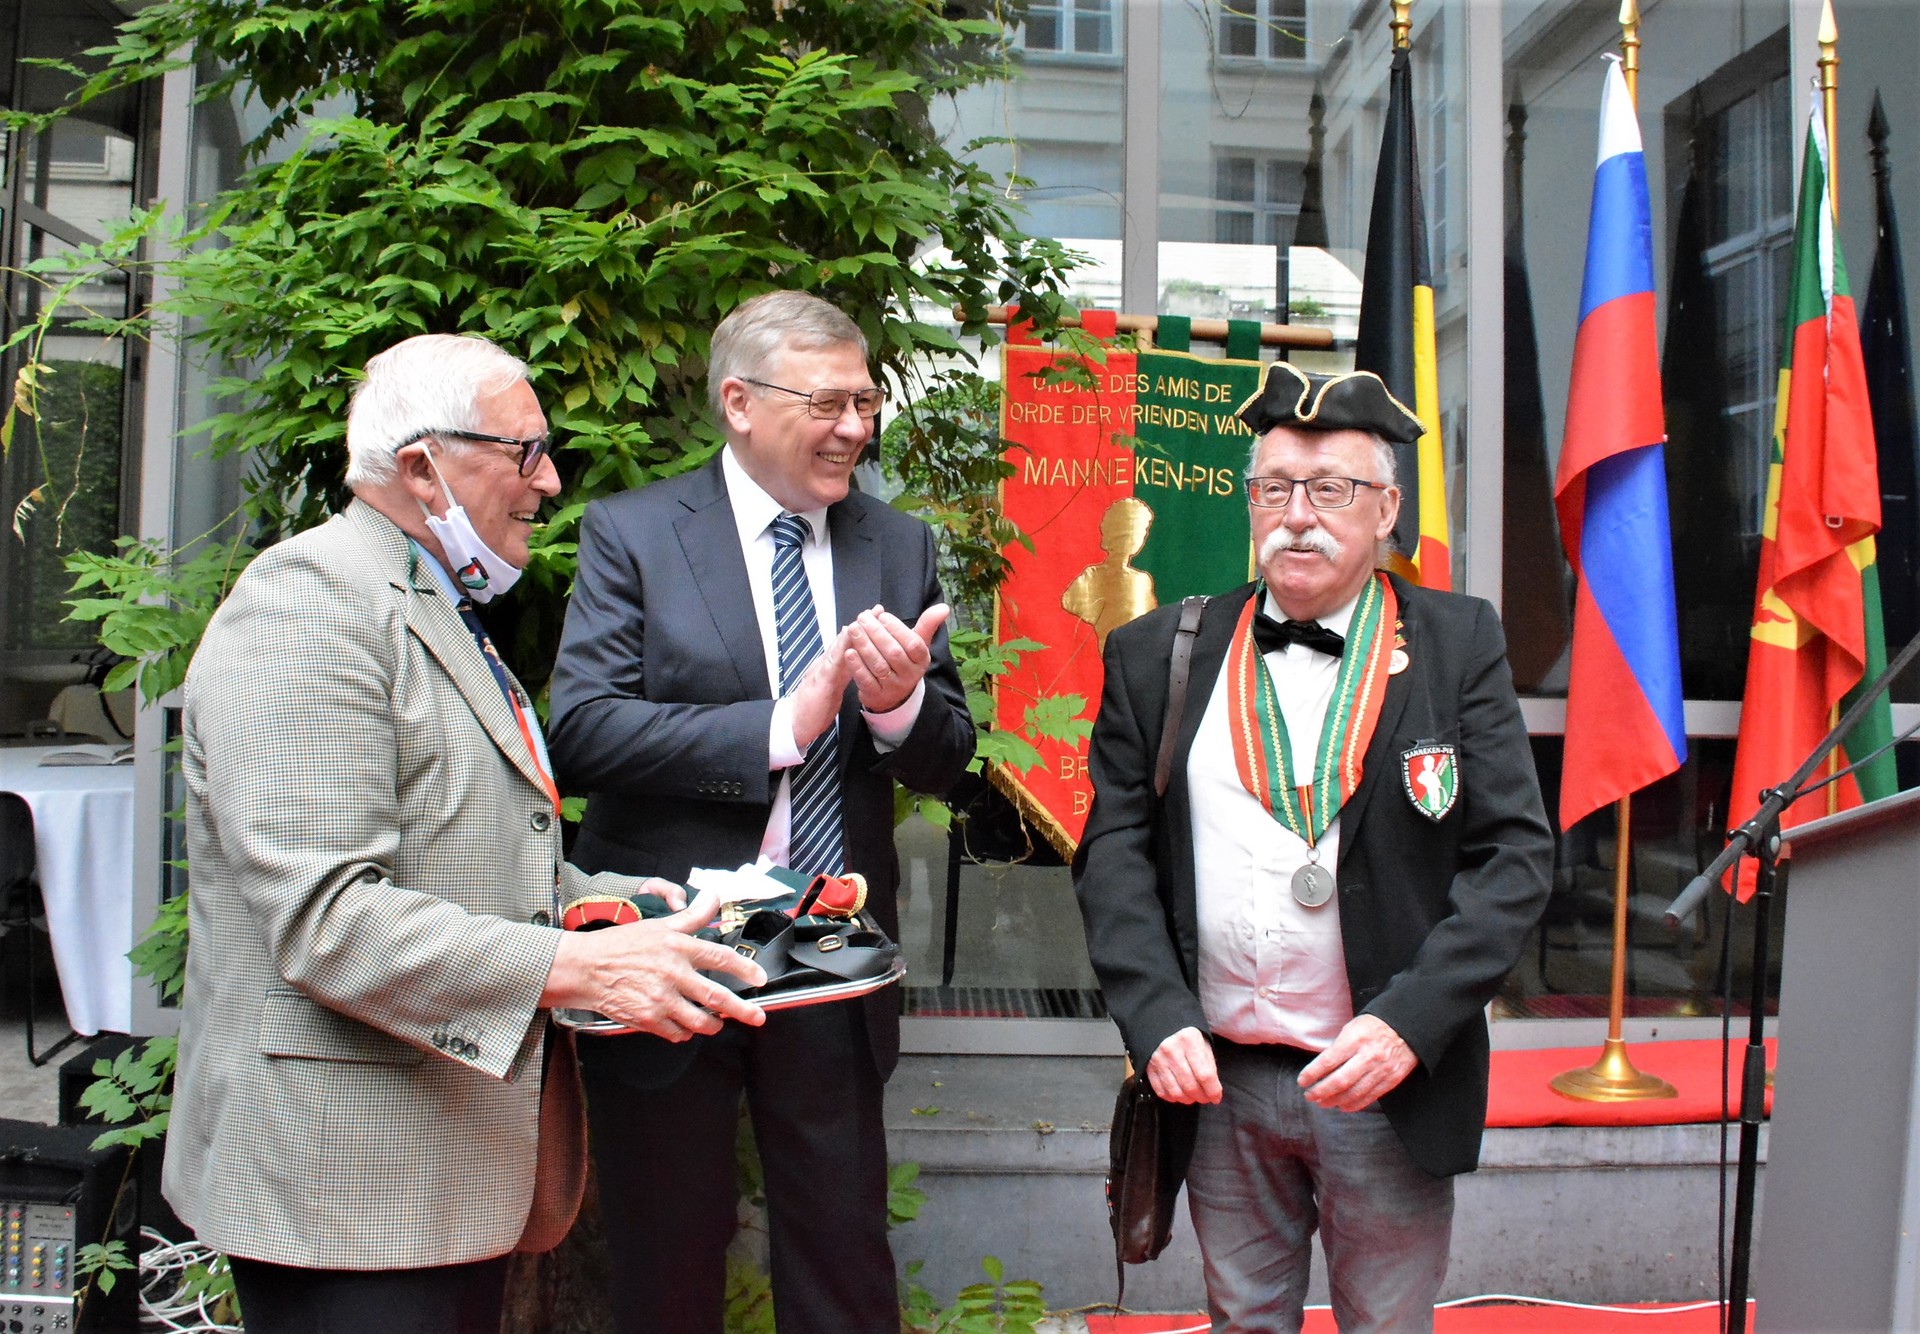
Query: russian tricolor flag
x=1625 y=727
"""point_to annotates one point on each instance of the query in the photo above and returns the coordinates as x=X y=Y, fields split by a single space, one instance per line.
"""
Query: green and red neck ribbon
x=1261 y=752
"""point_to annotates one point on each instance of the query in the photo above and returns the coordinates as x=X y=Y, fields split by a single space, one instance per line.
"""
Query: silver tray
x=593 y=1023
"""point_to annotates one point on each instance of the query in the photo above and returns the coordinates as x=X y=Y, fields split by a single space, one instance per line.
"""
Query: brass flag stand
x=1613 y=1077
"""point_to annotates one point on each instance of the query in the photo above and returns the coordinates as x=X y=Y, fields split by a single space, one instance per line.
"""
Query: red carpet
x=1519 y=1094
x=1509 y=1319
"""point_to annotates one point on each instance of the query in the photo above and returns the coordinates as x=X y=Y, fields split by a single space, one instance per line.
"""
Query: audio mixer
x=59 y=1194
x=38 y=1246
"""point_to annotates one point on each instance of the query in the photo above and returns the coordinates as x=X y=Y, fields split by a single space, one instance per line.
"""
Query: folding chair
x=20 y=903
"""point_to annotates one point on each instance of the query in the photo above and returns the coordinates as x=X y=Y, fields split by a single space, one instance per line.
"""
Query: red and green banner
x=1817 y=631
x=1128 y=484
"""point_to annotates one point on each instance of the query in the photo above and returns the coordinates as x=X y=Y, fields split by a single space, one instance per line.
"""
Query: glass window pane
x=63 y=480
x=1016 y=947
x=1565 y=972
x=1043 y=29
x=67 y=458
x=1230 y=228
x=1307 y=130
x=1716 y=145
x=1234 y=179
x=1093 y=27
x=1287 y=30
x=1239 y=27
x=1881 y=42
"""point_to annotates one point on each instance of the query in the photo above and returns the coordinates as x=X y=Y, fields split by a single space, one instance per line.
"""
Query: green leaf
x=1058 y=718
x=595 y=185
x=598 y=196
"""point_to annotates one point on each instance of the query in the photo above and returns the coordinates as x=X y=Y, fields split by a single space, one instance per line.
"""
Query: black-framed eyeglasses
x=827 y=404
x=1323 y=493
x=532 y=448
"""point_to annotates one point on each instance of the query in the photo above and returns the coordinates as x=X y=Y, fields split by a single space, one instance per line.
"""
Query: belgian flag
x=1396 y=334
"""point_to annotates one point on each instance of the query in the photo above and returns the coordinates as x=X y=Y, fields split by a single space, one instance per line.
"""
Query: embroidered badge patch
x=1432 y=779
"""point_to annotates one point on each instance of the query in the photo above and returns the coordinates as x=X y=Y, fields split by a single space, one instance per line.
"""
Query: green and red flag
x=1395 y=338
x=1817 y=633
x=1126 y=479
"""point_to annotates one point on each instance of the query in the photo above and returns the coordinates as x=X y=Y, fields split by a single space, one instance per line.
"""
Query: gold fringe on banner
x=1032 y=811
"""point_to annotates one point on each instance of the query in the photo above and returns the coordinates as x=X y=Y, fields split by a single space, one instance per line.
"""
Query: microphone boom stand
x=1761 y=835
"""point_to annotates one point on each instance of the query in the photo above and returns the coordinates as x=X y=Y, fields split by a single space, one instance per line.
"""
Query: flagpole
x=1829 y=63
x=1829 y=37
x=1402 y=25
x=1630 y=48
x=1613 y=1078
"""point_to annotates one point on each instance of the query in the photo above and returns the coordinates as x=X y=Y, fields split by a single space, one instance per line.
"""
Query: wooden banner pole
x=1205 y=331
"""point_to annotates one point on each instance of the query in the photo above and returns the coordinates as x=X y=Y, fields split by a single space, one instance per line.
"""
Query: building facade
x=1210 y=158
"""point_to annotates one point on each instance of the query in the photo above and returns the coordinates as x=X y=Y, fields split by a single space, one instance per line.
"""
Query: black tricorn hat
x=1355 y=401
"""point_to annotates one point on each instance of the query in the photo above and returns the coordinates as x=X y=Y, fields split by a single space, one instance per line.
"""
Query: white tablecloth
x=83 y=835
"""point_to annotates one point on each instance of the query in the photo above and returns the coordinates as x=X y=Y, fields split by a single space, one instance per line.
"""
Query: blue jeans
x=1269 y=1166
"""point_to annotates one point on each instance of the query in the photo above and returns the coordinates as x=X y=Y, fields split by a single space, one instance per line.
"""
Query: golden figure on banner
x=1111 y=593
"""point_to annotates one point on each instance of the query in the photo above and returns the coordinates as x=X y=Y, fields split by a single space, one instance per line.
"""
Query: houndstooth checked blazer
x=374 y=866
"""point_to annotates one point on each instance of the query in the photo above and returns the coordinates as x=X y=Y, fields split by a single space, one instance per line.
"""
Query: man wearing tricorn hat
x=1299 y=934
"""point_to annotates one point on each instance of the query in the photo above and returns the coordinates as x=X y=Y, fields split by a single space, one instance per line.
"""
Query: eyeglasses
x=1323 y=493
x=532 y=449
x=827 y=404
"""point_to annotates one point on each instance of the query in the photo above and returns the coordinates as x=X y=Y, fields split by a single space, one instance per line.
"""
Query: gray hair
x=747 y=339
x=1383 y=462
x=427 y=383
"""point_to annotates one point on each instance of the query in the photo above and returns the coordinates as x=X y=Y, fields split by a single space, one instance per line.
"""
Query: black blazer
x=1432 y=915
x=661 y=704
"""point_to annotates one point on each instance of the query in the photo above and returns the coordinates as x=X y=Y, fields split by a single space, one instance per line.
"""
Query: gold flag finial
x=1829 y=35
x=1402 y=24
x=1630 y=47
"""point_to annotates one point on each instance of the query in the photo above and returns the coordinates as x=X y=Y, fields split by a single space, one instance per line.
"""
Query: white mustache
x=1317 y=540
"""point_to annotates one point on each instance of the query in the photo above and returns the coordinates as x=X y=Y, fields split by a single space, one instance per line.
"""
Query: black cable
x=1726 y=1108
x=1864 y=760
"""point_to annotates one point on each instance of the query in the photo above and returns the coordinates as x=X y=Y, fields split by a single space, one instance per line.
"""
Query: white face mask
x=476 y=567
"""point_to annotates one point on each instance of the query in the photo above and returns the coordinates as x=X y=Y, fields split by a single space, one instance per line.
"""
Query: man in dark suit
x=753 y=654
x=1301 y=933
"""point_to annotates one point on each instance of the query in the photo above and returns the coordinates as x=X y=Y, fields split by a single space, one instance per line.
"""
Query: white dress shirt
x=1271 y=970
x=753 y=514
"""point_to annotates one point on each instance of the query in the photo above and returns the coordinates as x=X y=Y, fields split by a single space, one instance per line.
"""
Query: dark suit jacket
x=661 y=704
x=1432 y=915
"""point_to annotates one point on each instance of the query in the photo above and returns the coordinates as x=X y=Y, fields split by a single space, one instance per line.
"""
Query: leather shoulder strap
x=1178 y=669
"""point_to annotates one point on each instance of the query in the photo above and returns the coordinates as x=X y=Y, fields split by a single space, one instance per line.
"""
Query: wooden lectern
x=1839 y=1233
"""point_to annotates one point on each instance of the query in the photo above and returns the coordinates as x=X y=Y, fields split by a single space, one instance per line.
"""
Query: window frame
x=1271 y=28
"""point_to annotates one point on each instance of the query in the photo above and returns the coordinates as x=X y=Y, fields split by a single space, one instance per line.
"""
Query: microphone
x=1774 y=800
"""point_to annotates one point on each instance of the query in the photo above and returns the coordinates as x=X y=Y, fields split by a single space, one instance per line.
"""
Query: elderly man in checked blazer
x=374 y=836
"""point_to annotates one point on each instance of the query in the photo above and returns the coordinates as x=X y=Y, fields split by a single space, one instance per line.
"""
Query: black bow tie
x=1269 y=635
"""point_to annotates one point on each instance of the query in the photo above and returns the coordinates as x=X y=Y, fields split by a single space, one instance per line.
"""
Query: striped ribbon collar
x=1261 y=751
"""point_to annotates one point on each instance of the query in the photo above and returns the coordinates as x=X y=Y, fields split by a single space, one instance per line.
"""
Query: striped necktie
x=521 y=713
x=814 y=843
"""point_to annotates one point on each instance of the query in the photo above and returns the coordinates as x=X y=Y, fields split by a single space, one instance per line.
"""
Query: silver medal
x=1312 y=885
